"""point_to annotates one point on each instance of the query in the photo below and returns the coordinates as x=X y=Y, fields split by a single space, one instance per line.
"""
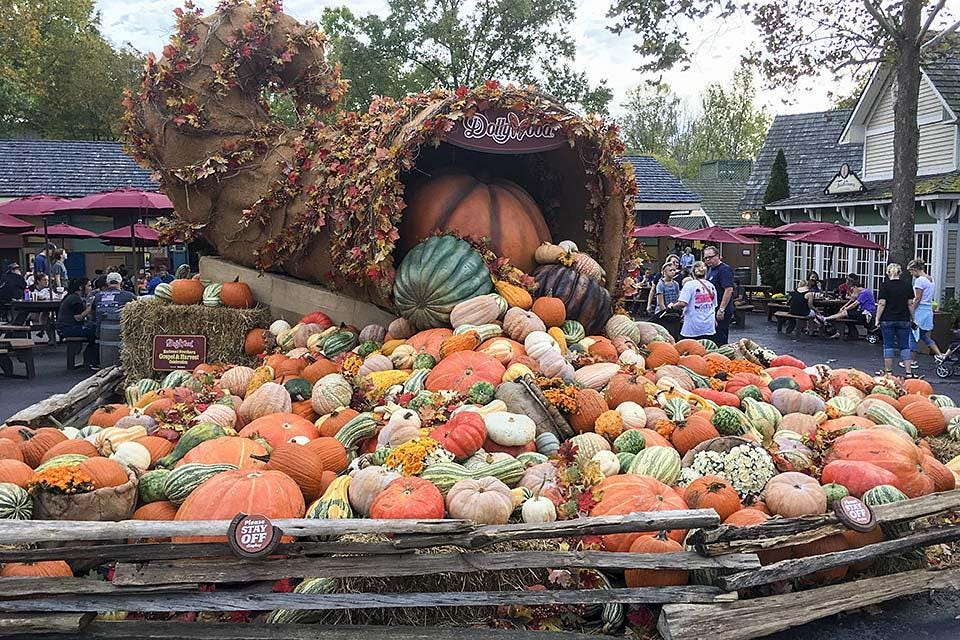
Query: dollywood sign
x=503 y=131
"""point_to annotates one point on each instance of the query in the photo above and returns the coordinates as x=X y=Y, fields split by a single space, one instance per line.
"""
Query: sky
x=147 y=24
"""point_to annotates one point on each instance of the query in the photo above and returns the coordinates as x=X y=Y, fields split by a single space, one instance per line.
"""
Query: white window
x=879 y=260
x=924 y=244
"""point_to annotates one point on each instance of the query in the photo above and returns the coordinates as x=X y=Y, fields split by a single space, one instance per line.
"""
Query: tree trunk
x=906 y=137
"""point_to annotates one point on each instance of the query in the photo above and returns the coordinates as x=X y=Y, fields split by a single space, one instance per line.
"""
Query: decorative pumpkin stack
x=189 y=290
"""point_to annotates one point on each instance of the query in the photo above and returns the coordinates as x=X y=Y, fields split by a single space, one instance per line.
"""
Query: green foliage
x=727 y=126
x=772 y=252
x=59 y=77
x=419 y=44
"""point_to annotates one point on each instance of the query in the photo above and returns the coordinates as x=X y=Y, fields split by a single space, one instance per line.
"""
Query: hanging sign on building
x=504 y=131
x=846 y=181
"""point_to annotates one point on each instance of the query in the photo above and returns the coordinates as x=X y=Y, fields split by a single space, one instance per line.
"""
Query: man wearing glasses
x=720 y=276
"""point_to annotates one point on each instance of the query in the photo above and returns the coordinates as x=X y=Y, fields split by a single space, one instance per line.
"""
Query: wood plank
x=600 y=525
x=61 y=407
x=794 y=568
x=154 y=630
x=172 y=572
x=758 y=617
x=20 y=587
x=224 y=600
x=28 y=625
x=782 y=532
x=146 y=551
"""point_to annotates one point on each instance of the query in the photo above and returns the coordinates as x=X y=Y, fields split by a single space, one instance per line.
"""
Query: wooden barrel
x=108 y=335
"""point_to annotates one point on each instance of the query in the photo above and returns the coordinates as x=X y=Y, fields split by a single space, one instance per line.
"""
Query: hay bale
x=224 y=329
x=513 y=580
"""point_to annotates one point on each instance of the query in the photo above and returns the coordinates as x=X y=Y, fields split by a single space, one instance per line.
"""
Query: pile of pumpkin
x=187 y=289
x=512 y=410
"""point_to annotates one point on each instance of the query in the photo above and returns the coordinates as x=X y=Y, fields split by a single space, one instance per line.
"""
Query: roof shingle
x=721 y=184
x=809 y=142
x=656 y=184
x=945 y=183
x=68 y=168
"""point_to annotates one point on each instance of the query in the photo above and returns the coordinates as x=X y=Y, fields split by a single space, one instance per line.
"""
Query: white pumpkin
x=553 y=365
x=403 y=426
x=510 y=429
x=279 y=326
x=375 y=362
x=331 y=392
x=483 y=500
x=608 y=461
x=71 y=432
x=538 y=509
x=539 y=343
x=631 y=357
x=568 y=245
x=365 y=484
x=132 y=454
x=402 y=357
x=632 y=414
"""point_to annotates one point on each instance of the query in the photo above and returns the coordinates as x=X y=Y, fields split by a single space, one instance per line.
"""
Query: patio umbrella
x=658 y=230
x=836 y=236
x=803 y=227
x=9 y=224
x=756 y=231
x=715 y=234
x=61 y=231
x=30 y=206
x=145 y=235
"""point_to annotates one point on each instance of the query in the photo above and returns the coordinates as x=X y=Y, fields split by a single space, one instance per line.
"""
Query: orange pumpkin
x=696 y=429
x=429 y=341
x=943 y=478
x=157 y=446
x=37 y=442
x=81 y=447
x=290 y=367
x=631 y=493
x=10 y=450
x=625 y=387
x=227 y=450
x=746 y=517
x=916 y=385
x=326 y=478
x=332 y=454
x=496 y=209
x=304 y=409
x=41 y=569
x=156 y=511
x=236 y=294
x=690 y=347
x=255 y=341
x=712 y=492
x=104 y=472
x=271 y=493
x=330 y=424
x=925 y=416
x=551 y=310
x=461 y=370
x=186 y=291
x=801 y=377
x=278 y=428
x=302 y=464
x=661 y=353
x=590 y=404
x=408 y=498
x=158 y=406
x=108 y=414
x=658 y=543
x=890 y=451
x=15 y=472
x=603 y=349
x=317 y=369
x=696 y=363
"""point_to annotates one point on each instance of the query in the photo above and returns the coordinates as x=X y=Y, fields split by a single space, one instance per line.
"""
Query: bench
x=15 y=331
x=785 y=316
x=22 y=350
x=75 y=346
x=740 y=311
x=776 y=307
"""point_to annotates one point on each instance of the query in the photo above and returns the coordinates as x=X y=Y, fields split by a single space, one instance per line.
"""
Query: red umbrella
x=61 y=231
x=658 y=230
x=39 y=205
x=756 y=231
x=715 y=234
x=9 y=224
x=837 y=237
x=145 y=235
x=118 y=199
x=803 y=227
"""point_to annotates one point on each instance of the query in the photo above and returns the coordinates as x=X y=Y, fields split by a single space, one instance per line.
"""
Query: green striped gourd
x=729 y=351
x=630 y=441
x=531 y=458
x=762 y=416
x=885 y=389
x=434 y=276
x=139 y=389
x=942 y=401
x=953 y=428
x=840 y=406
x=614 y=614
x=887 y=494
x=622 y=326
x=175 y=379
x=573 y=331
x=164 y=292
x=677 y=409
x=730 y=421
x=334 y=504
x=834 y=492
x=357 y=430
x=182 y=272
x=15 y=502
x=751 y=391
x=708 y=344
x=66 y=460
x=190 y=439
x=286 y=340
x=338 y=343
x=150 y=486
x=547 y=443
x=446 y=474
x=309 y=585
x=182 y=481
x=211 y=294
x=424 y=361
x=89 y=430
x=416 y=381
x=662 y=463
x=699 y=381
x=485 y=331
x=882 y=413
x=626 y=459
x=502 y=304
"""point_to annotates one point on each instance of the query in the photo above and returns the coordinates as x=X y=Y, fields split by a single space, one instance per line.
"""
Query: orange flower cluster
x=351 y=364
x=664 y=427
x=716 y=365
x=560 y=394
x=410 y=458
x=62 y=480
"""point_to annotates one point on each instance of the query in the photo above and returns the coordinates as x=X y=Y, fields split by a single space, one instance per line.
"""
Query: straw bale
x=224 y=328
x=944 y=447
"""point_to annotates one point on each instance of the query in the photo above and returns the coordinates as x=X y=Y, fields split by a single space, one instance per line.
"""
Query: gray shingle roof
x=721 y=184
x=656 y=184
x=67 y=168
x=809 y=141
x=944 y=72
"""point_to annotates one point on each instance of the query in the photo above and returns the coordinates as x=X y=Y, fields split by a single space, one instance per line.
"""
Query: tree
x=652 y=120
x=448 y=43
x=802 y=38
x=59 y=77
x=772 y=252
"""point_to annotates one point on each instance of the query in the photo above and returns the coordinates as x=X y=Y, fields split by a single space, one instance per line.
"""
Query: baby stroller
x=950 y=364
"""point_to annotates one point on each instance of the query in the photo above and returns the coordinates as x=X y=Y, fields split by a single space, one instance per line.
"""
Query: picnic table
x=758 y=295
x=21 y=310
x=829 y=305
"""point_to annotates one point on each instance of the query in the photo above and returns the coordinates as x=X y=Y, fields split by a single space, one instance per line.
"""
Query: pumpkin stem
x=661 y=535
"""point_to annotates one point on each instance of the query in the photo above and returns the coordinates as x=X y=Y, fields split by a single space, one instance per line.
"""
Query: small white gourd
x=538 y=509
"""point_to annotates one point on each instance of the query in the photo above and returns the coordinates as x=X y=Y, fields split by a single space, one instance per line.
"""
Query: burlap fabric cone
x=108 y=505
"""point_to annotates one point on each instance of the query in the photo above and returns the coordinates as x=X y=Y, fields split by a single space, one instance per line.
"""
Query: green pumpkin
x=480 y=392
x=182 y=272
x=424 y=361
x=164 y=292
x=630 y=441
x=784 y=382
x=708 y=344
x=573 y=331
x=437 y=274
x=338 y=343
x=299 y=389
x=834 y=492
x=175 y=379
x=15 y=502
x=211 y=294
x=730 y=421
x=547 y=443
x=883 y=494
x=751 y=391
x=662 y=463
x=150 y=486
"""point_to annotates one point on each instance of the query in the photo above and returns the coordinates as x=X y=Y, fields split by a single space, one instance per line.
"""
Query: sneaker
x=940 y=358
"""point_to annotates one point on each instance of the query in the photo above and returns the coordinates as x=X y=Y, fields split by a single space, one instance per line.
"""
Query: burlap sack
x=110 y=504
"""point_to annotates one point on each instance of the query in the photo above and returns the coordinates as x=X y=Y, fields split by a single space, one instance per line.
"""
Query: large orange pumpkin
x=658 y=543
x=887 y=450
x=255 y=341
x=10 y=450
x=270 y=493
x=156 y=511
x=461 y=370
x=696 y=429
x=496 y=209
x=35 y=443
x=625 y=387
x=15 y=472
x=801 y=377
x=227 y=450
x=186 y=291
x=41 y=569
x=590 y=404
x=236 y=295
x=108 y=414
x=690 y=347
x=661 y=353
x=408 y=498
x=278 y=428
x=302 y=464
x=697 y=364
x=104 y=472
x=916 y=385
x=317 y=369
x=332 y=453
x=157 y=446
x=429 y=341
x=80 y=447
x=925 y=416
x=712 y=492
x=943 y=478
x=631 y=493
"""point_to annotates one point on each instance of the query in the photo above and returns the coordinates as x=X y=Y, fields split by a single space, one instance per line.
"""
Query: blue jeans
x=896 y=332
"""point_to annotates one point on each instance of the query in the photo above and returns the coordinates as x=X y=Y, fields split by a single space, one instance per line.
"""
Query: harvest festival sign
x=178 y=352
